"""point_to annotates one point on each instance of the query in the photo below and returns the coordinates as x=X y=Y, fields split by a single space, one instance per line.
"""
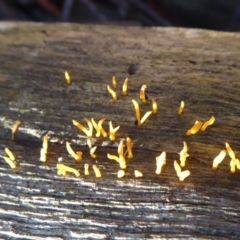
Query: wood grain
x=197 y=66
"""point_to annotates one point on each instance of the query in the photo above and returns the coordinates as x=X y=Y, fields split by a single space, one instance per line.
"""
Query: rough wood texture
x=197 y=66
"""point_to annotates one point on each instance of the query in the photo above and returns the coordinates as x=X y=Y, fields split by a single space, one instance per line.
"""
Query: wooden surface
x=197 y=66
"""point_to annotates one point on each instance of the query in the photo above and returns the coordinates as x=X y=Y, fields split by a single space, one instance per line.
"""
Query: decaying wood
x=197 y=66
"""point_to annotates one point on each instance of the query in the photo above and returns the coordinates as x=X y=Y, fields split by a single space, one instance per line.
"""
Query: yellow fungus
x=121 y=148
x=45 y=143
x=112 y=131
x=129 y=147
x=233 y=164
x=95 y=125
x=183 y=155
x=61 y=172
x=138 y=174
x=10 y=154
x=208 y=123
x=218 y=159
x=113 y=157
x=144 y=118
x=15 y=128
x=77 y=156
x=195 y=128
x=90 y=127
x=92 y=151
x=114 y=81
x=113 y=93
x=160 y=161
x=82 y=128
x=120 y=173
x=230 y=151
x=137 y=111
x=154 y=106
x=143 y=96
x=180 y=110
x=177 y=168
x=97 y=171
x=86 y=169
x=100 y=122
x=43 y=154
x=9 y=162
x=89 y=142
x=67 y=77
x=125 y=87
x=121 y=160
x=183 y=175
x=65 y=168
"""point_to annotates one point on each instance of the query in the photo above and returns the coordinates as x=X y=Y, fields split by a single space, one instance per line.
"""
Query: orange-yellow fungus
x=120 y=173
x=129 y=147
x=90 y=127
x=121 y=148
x=125 y=87
x=183 y=155
x=177 y=168
x=184 y=175
x=114 y=81
x=77 y=156
x=154 y=106
x=113 y=157
x=89 y=142
x=218 y=159
x=195 y=128
x=233 y=165
x=67 y=77
x=100 y=122
x=97 y=171
x=185 y=149
x=43 y=154
x=95 y=125
x=113 y=93
x=61 y=172
x=208 y=123
x=230 y=151
x=92 y=151
x=45 y=143
x=65 y=168
x=9 y=162
x=138 y=174
x=142 y=94
x=160 y=161
x=15 y=128
x=121 y=160
x=137 y=111
x=86 y=169
x=10 y=154
x=82 y=128
x=144 y=118
x=112 y=131
x=180 y=110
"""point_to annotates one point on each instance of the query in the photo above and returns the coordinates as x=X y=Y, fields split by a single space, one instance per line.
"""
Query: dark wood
x=197 y=66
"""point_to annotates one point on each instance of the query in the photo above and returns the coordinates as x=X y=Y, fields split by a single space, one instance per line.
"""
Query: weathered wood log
x=197 y=66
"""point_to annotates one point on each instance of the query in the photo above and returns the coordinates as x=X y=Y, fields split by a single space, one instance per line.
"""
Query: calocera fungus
x=234 y=164
x=142 y=94
x=89 y=142
x=45 y=142
x=121 y=148
x=137 y=111
x=121 y=160
x=120 y=173
x=183 y=155
x=10 y=154
x=63 y=168
x=144 y=118
x=112 y=92
x=88 y=132
x=230 y=151
x=9 y=162
x=92 y=151
x=114 y=81
x=218 y=159
x=154 y=106
x=67 y=77
x=180 y=110
x=97 y=171
x=86 y=169
x=138 y=174
x=43 y=152
x=181 y=174
x=208 y=123
x=125 y=87
x=77 y=156
x=129 y=148
x=195 y=128
x=112 y=131
x=15 y=128
x=100 y=122
x=160 y=161
x=95 y=125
